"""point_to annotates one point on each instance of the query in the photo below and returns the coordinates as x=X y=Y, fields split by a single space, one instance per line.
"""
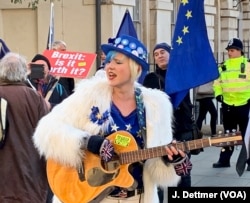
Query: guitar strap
x=141 y=120
x=141 y=113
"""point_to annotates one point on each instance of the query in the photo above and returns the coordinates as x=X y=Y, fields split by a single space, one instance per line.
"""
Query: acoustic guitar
x=71 y=185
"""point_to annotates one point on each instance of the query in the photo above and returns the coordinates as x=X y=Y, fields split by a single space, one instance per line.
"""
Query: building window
x=137 y=17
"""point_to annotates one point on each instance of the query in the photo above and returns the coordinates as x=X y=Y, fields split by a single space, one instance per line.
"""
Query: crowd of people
x=79 y=131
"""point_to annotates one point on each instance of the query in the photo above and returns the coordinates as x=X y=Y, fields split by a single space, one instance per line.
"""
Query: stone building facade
x=85 y=24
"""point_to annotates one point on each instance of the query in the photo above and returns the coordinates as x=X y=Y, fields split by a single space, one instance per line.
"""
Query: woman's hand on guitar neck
x=174 y=153
x=179 y=159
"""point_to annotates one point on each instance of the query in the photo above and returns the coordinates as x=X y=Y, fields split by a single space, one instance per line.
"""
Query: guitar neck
x=143 y=154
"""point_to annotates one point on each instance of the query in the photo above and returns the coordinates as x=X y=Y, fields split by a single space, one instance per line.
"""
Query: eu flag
x=191 y=61
x=4 y=49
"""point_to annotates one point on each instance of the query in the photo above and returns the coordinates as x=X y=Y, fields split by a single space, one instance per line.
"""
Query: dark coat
x=68 y=84
x=58 y=94
x=183 y=117
x=22 y=170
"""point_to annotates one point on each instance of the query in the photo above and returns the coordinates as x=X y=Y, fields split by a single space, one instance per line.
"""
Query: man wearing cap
x=91 y=124
x=47 y=85
x=232 y=90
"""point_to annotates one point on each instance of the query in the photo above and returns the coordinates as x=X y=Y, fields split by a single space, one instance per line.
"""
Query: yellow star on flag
x=189 y=14
x=184 y=2
x=179 y=40
x=185 y=30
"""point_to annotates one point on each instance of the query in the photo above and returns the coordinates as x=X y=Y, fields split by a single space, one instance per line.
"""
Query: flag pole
x=51 y=26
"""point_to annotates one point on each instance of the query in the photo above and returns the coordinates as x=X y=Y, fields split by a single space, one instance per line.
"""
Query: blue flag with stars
x=191 y=61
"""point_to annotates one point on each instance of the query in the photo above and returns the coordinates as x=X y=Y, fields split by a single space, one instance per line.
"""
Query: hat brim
x=107 y=48
x=233 y=47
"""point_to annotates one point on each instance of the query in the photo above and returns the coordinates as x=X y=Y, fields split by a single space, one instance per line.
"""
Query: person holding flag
x=183 y=118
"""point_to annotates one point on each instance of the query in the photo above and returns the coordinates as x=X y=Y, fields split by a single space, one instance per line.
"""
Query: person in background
x=204 y=94
x=102 y=58
x=68 y=83
x=103 y=106
x=23 y=171
x=100 y=71
x=47 y=86
x=183 y=118
x=232 y=90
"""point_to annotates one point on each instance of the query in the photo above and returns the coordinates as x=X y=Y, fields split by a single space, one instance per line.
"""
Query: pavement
x=204 y=175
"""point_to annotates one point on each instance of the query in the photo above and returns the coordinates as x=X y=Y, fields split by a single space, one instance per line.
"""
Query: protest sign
x=70 y=64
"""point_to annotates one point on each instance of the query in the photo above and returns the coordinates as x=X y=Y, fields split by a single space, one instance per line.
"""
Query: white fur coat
x=58 y=134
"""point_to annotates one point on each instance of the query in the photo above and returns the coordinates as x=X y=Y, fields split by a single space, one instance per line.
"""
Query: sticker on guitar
x=99 y=176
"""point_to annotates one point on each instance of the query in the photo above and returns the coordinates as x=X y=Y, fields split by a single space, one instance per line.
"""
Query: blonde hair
x=135 y=73
x=135 y=68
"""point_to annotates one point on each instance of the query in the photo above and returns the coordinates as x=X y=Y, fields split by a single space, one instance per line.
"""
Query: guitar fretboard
x=143 y=154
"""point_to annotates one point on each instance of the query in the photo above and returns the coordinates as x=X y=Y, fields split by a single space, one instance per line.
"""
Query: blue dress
x=130 y=124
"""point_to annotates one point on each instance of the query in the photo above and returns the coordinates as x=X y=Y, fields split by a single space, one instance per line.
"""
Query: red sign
x=70 y=64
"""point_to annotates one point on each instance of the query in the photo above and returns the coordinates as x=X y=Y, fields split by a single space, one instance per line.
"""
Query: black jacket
x=58 y=94
x=183 y=116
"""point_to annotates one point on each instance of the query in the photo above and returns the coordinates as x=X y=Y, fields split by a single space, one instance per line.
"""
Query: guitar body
x=67 y=186
x=73 y=187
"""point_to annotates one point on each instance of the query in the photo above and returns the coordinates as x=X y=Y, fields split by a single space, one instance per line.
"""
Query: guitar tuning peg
x=227 y=132
x=234 y=131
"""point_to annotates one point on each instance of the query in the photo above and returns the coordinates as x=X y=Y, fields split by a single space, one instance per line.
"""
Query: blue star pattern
x=97 y=117
x=128 y=127
x=114 y=127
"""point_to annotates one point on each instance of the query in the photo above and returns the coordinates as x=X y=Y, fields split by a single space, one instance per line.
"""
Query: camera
x=37 y=71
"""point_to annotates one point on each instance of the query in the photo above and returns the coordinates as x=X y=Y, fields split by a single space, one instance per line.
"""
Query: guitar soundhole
x=111 y=165
x=97 y=177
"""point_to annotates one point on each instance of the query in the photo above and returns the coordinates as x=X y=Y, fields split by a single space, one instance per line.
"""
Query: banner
x=70 y=64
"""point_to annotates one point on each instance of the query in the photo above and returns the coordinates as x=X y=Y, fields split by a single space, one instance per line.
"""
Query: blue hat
x=162 y=45
x=131 y=47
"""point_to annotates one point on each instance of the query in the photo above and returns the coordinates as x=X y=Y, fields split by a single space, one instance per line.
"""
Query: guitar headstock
x=227 y=139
